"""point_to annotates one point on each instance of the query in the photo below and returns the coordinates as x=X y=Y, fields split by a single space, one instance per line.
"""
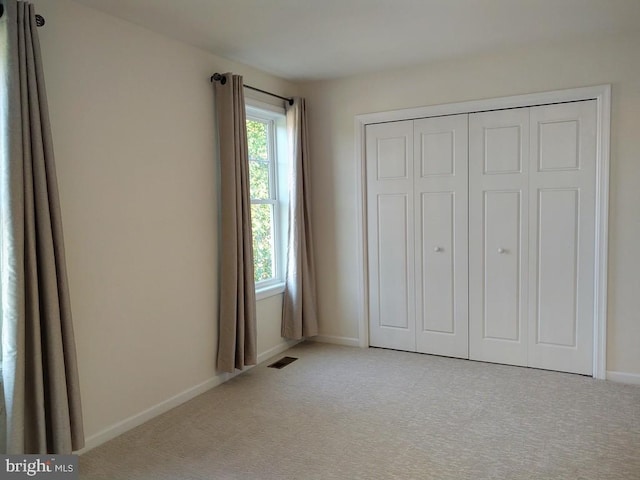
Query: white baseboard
x=281 y=347
x=622 y=377
x=347 y=341
x=133 y=421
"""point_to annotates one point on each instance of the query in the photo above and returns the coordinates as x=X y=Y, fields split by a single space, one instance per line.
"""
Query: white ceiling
x=319 y=39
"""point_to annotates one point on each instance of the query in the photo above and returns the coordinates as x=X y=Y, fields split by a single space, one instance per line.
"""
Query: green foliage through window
x=262 y=221
x=263 y=201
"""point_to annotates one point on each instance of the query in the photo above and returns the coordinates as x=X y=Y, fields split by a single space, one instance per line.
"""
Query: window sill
x=269 y=291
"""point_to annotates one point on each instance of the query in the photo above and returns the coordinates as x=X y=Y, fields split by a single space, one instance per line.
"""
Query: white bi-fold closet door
x=532 y=224
x=481 y=234
x=417 y=202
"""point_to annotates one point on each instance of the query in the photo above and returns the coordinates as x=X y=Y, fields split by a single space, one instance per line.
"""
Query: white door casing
x=601 y=95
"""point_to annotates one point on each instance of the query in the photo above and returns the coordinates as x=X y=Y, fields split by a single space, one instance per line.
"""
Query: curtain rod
x=222 y=79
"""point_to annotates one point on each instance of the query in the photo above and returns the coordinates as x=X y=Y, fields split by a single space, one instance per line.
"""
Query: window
x=267 y=177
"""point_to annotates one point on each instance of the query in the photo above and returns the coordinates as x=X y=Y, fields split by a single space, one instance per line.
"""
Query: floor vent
x=283 y=362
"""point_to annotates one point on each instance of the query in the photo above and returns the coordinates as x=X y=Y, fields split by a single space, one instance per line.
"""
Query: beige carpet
x=349 y=413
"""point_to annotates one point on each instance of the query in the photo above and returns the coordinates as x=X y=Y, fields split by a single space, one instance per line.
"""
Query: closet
x=481 y=235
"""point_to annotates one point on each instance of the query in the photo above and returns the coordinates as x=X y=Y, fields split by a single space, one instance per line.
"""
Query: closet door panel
x=438 y=277
x=393 y=272
x=501 y=252
x=390 y=228
x=498 y=235
x=556 y=266
x=502 y=144
x=441 y=199
x=562 y=238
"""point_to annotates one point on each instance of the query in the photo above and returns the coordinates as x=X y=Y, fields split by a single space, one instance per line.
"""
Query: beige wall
x=333 y=105
x=134 y=135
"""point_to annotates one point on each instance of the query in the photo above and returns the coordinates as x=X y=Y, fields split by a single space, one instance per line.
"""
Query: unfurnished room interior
x=285 y=239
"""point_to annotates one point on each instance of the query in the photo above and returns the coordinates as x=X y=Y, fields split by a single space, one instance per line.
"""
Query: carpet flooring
x=350 y=413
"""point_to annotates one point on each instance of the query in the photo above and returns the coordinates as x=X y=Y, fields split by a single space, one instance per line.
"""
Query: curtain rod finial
x=216 y=76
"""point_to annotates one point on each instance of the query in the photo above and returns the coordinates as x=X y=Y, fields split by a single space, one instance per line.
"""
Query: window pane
x=257 y=140
x=259 y=180
x=262 y=226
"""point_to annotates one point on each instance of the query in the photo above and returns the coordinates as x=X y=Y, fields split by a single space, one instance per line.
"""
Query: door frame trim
x=602 y=95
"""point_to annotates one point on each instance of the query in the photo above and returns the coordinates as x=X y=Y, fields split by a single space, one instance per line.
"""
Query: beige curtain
x=300 y=317
x=39 y=370
x=237 y=320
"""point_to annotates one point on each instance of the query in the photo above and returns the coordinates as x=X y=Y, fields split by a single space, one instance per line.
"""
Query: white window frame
x=278 y=176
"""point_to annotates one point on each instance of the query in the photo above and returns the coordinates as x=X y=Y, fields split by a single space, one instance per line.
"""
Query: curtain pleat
x=39 y=366
x=237 y=313
x=299 y=310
